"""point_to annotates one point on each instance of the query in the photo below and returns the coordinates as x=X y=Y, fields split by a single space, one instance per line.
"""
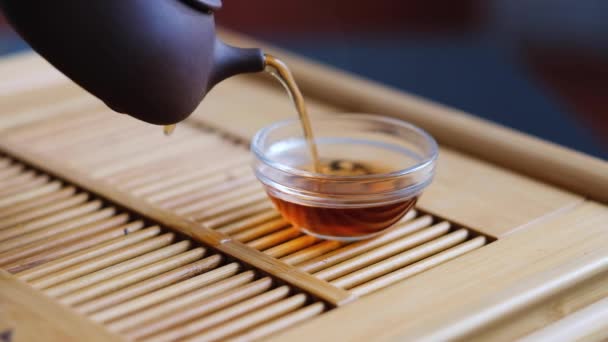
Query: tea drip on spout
x=168 y=129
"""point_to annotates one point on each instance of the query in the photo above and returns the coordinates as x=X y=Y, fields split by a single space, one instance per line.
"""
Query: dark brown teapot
x=152 y=59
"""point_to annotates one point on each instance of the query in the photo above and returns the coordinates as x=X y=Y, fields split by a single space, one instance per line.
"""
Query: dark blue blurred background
x=539 y=66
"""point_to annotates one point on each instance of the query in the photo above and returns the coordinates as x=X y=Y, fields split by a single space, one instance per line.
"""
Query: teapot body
x=152 y=59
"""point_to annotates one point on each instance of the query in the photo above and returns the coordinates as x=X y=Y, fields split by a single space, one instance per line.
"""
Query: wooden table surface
x=540 y=209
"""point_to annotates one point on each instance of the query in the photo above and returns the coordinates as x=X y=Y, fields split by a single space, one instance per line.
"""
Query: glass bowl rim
x=263 y=133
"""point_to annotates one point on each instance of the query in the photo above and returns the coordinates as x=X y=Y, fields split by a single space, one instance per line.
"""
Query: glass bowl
x=398 y=160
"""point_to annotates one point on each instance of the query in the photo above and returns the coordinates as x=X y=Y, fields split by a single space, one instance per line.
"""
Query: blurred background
x=540 y=66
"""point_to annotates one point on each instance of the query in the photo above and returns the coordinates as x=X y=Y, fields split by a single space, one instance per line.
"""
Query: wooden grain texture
x=197 y=309
x=489 y=141
x=87 y=254
x=510 y=275
x=23 y=196
x=379 y=254
x=101 y=262
x=291 y=275
x=157 y=312
x=279 y=324
x=418 y=267
x=400 y=260
x=149 y=285
x=65 y=242
x=346 y=252
x=550 y=244
x=116 y=269
x=589 y=322
x=490 y=199
x=133 y=277
x=251 y=319
x=28 y=315
x=548 y=312
x=171 y=292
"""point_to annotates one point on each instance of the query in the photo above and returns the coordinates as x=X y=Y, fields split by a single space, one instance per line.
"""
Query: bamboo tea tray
x=111 y=231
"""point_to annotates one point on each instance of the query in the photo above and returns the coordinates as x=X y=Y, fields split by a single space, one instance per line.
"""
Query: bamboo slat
x=50 y=220
x=51 y=254
x=400 y=260
x=187 y=186
x=357 y=248
x=50 y=106
x=233 y=226
x=58 y=228
x=102 y=261
x=112 y=271
x=247 y=321
x=188 y=178
x=323 y=248
x=177 y=167
x=14 y=175
x=275 y=238
x=42 y=210
x=418 y=267
x=159 y=311
x=62 y=239
x=250 y=197
x=27 y=195
x=135 y=276
x=316 y=250
x=160 y=281
x=258 y=210
x=23 y=186
x=201 y=308
x=280 y=324
x=165 y=294
x=35 y=133
x=87 y=254
x=291 y=246
x=384 y=252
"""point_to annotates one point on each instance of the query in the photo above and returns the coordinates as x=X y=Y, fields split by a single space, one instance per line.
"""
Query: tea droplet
x=168 y=129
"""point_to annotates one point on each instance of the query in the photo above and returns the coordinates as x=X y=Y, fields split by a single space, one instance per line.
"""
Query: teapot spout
x=229 y=61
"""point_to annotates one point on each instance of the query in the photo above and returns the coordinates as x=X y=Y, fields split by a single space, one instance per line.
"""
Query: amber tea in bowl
x=370 y=172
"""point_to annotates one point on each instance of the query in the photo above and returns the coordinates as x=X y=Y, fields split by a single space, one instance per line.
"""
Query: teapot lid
x=212 y=5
